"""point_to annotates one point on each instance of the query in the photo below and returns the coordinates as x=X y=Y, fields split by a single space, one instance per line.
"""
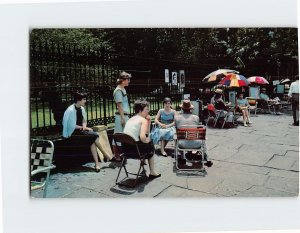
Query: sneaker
x=208 y=163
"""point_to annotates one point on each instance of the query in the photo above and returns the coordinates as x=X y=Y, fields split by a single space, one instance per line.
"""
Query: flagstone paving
x=257 y=161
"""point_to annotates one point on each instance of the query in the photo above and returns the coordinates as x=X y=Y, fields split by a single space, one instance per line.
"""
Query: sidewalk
x=257 y=161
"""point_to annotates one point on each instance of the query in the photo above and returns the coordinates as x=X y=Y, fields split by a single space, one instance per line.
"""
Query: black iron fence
x=57 y=70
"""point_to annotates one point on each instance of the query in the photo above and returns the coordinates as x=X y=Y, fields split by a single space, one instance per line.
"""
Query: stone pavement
x=257 y=161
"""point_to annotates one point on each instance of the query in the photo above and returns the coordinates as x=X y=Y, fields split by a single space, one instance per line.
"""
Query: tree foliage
x=190 y=45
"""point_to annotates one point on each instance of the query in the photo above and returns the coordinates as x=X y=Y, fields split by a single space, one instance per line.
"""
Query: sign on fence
x=174 y=78
x=167 y=80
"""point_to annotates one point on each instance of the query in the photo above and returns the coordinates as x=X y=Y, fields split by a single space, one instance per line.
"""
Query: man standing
x=294 y=97
x=122 y=112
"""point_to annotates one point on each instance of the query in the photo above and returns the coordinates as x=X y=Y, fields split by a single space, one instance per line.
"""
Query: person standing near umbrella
x=122 y=112
x=294 y=97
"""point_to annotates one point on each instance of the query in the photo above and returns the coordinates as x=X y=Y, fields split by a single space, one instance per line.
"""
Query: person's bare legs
x=244 y=117
x=95 y=156
x=162 y=147
x=151 y=166
x=248 y=117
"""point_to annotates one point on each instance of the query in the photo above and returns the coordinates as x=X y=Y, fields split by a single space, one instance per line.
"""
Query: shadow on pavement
x=126 y=186
x=76 y=165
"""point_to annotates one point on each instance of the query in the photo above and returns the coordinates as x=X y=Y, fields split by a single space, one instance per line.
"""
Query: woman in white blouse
x=138 y=127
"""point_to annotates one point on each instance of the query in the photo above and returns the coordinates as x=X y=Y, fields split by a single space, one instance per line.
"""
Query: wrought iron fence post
x=103 y=90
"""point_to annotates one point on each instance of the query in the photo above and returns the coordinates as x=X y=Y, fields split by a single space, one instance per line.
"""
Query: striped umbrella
x=258 y=80
x=217 y=75
x=234 y=80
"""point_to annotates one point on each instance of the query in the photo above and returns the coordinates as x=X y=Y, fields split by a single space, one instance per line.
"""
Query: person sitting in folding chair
x=138 y=127
x=220 y=105
x=164 y=129
x=243 y=106
x=187 y=119
x=266 y=101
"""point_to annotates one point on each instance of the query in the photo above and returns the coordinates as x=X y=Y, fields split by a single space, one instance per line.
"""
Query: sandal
x=152 y=177
x=97 y=169
x=164 y=154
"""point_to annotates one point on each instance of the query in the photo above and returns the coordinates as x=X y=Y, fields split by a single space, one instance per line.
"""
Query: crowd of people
x=165 y=123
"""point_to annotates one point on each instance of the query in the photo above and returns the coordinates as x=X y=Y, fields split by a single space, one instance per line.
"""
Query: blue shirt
x=120 y=96
x=166 y=118
x=264 y=96
x=242 y=102
x=70 y=119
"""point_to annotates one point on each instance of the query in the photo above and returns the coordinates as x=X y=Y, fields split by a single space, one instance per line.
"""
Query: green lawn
x=41 y=119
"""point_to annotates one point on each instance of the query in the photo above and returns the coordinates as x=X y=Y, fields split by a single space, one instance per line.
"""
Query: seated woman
x=165 y=129
x=219 y=104
x=75 y=124
x=243 y=107
x=187 y=119
x=138 y=127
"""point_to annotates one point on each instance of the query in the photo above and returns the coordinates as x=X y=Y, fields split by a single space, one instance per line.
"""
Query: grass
x=40 y=118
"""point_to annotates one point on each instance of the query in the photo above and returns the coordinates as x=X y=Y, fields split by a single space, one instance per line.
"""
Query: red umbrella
x=258 y=80
x=217 y=75
x=234 y=80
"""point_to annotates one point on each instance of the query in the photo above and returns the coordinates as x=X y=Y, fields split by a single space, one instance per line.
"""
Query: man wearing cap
x=122 y=105
x=294 y=98
x=265 y=99
x=187 y=119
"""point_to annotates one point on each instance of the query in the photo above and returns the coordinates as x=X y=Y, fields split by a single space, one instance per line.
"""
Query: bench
x=64 y=148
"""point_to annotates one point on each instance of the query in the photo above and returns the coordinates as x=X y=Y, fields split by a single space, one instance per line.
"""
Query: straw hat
x=219 y=91
x=186 y=104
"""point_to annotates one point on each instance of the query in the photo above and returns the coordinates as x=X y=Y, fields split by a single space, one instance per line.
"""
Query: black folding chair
x=129 y=150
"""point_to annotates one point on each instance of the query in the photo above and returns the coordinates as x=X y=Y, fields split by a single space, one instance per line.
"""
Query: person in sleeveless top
x=243 y=106
x=122 y=108
x=165 y=126
x=138 y=127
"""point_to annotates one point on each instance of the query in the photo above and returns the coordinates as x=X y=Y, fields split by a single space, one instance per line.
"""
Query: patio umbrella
x=285 y=81
x=217 y=75
x=257 y=80
x=234 y=80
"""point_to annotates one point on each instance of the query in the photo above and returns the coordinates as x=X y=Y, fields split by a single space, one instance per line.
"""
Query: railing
x=57 y=70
